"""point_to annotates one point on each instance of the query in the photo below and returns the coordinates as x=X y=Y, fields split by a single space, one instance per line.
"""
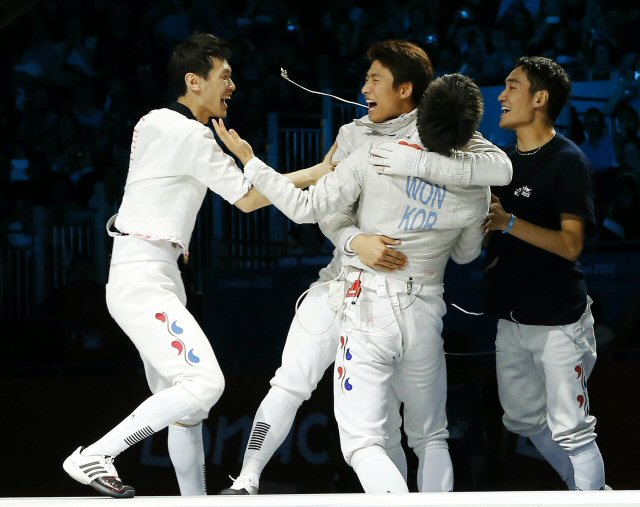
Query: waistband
x=132 y=248
x=383 y=284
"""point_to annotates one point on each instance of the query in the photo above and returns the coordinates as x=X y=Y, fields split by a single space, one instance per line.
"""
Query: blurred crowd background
x=77 y=76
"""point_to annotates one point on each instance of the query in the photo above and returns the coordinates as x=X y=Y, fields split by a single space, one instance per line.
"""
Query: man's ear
x=192 y=81
x=406 y=89
x=541 y=98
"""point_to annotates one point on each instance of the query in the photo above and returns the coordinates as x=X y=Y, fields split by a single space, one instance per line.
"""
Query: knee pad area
x=356 y=457
x=290 y=398
x=206 y=387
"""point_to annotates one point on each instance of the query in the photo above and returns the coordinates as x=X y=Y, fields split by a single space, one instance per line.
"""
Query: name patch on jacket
x=424 y=200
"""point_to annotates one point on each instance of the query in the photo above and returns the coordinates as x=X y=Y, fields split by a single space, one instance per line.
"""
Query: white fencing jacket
x=432 y=221
x=174 y=160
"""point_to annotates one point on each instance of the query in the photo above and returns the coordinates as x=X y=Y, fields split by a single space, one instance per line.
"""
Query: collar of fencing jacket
x=388 y=127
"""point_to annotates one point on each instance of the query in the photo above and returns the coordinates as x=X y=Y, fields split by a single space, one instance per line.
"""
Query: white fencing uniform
x=174 y=160
x=433 y=223
x=310 y=346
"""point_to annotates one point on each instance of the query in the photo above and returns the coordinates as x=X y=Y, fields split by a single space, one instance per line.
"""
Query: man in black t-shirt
x=545 y=344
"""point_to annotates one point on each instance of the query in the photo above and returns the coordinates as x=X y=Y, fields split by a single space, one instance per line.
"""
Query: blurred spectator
x=87 y=106
x=602 y=61
x=595 y=23
x=499 y=60
x=630 y=158
x=43 y=57
x=626 y=126
x=623 y=209
x=519 y=25
x=508 y=7
x=80 y=47
x=598 y=145
x=627 y=88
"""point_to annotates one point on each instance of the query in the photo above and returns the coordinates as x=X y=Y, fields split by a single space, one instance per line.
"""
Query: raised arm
x=334 y=192
x=478 y=163
x=302 y=178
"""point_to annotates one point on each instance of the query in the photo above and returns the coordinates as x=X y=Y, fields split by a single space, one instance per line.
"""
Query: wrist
x=246 y=159
x=510 y=224
x=350 y=245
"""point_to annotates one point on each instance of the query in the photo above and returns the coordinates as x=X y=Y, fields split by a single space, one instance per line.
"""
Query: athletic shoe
x=98 y=472
x=240 y=486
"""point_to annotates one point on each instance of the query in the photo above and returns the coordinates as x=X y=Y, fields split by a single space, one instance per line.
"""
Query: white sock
x=187 y=455
x=399 y=458
x=435 y=471
x=588 y=467
x=555 y=455
x=271 y=425
x=378 y=474
x=151 y=416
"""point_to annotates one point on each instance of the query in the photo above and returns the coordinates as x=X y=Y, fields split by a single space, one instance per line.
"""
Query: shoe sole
x=73 y=470
x=109 y=492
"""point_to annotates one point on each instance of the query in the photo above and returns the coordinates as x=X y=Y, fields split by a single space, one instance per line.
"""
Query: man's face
x=383 y=100
x=217 y=89
x=516 y=100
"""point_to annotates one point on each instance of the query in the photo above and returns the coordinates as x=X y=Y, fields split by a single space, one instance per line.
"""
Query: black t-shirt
x=528 y=284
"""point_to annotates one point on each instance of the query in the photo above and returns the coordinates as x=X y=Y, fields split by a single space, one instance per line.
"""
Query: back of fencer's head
x=195 y=55
x=407 y=62
x=449 y=113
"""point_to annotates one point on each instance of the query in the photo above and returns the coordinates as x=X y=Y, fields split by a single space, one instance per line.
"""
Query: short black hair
x=449 y=113
x=407 y=62
x=195 y=55
x=545 y=74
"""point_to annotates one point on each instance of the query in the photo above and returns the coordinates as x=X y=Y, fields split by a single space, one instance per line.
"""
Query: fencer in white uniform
x=390 y=342
x=311 y=341
x=174 y=162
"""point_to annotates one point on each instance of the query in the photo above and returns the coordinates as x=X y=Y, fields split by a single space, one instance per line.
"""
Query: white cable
x=401 y=309
x=465 y=354
x=285 y=75
x=465 y=311
x=297 y=305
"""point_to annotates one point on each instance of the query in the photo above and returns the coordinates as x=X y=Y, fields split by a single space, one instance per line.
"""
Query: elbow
x=246 y=206
x=573 y=253
x=506 y=174
x=464 y=258
x=304 y=218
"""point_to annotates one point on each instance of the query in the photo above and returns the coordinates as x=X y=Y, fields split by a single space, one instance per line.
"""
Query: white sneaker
x=241 y=486
x=98 y=472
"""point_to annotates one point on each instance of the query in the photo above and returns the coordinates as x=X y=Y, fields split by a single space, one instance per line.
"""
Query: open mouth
x=504 y=110
x=371 y=105
x=224 y=101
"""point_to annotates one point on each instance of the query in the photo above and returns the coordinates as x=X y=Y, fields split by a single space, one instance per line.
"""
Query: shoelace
x=109 y=466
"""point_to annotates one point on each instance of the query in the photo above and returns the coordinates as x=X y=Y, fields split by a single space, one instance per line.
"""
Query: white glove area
x=398 y=159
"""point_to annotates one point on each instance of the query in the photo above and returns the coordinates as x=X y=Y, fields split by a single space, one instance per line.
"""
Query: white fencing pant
x=391 y=346
x=147 y=299
x=310 y=349
x=542 y=379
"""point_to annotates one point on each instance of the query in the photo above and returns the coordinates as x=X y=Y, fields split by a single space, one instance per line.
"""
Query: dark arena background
x=75 y=78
